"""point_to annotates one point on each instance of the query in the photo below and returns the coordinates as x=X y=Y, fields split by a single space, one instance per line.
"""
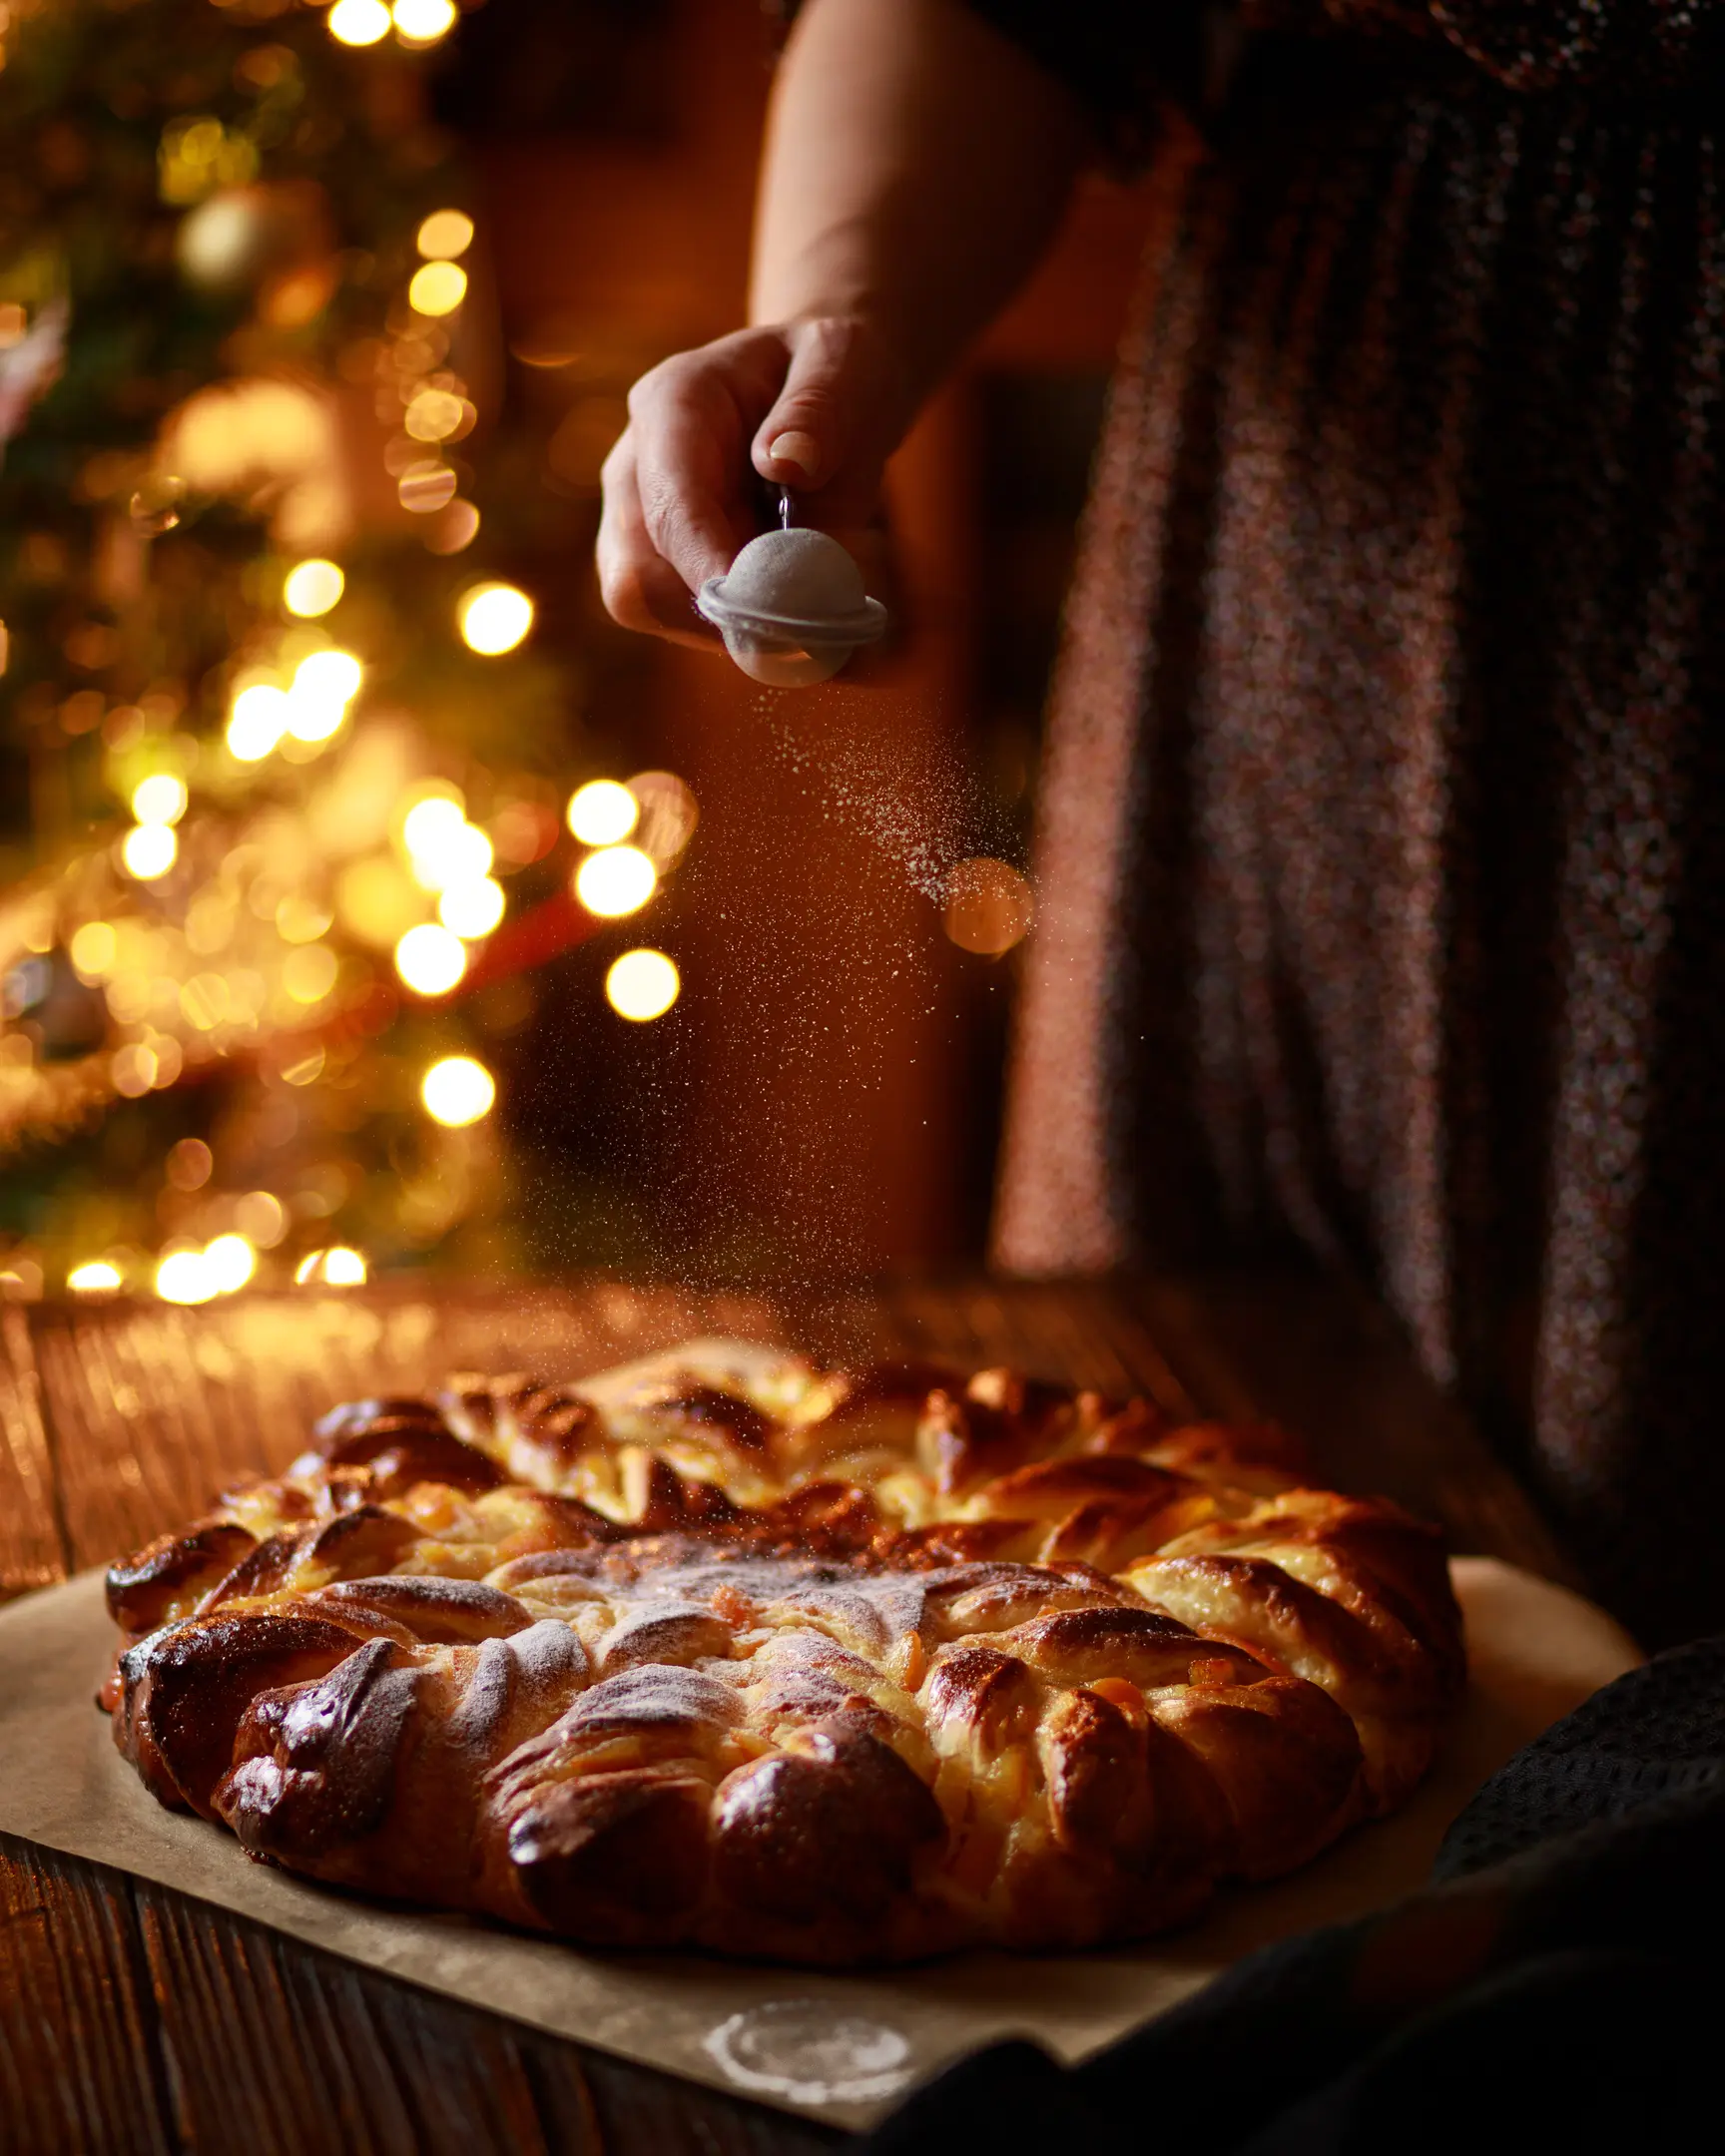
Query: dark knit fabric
x=1381 y=850
x=1557 y=1986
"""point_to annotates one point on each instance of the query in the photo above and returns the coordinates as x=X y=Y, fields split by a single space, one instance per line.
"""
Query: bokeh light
x=444 y=234
x=437 y=287
x=149 y=851
x=669 y=815
x=301 y=918
x=616 y=880
x=230 y=1263
x=189 y=1164
x=358 y=22
x=133 y=1070
x=93 y=949
x=443 y=848
x=432 y=821
x=438 y=415
x=312 y=588
x=430 y=959
x=642 y=984
x=472 y=908
x=600 y=813
x=458 y=1090
x=425 y=487
x=99 y=1277
x=325 y=684
x=493 y=618
x=160 y=798
x=309 y=973
x=379 y=902
x=989 y=905
x=258 y=721
x=261 y=1218
x=184 y=1276
x=457 y=526
x=423 y=22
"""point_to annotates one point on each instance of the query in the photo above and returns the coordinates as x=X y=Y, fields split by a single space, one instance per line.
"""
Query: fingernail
x=803 y=451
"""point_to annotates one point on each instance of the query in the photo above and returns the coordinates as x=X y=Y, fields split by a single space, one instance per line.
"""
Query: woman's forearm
x=915 y=165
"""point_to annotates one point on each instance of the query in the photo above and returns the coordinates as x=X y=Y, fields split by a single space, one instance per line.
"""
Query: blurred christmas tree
x=285 y=769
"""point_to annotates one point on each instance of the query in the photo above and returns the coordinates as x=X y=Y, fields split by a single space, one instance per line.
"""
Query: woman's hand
x=917 y=163
x=815 y=405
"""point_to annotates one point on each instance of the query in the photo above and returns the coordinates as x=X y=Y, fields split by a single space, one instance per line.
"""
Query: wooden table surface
x=133 y=2018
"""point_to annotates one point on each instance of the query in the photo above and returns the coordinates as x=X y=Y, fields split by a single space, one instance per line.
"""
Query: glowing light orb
x=457 y=1091
x=344 y=1268
x=160 y=798
x=358 y=22
x=423 y=22
x=230 y=1262
x=149 y=851
x=444 y=234
x=990 y=906
x=96 y=1278
x=312 y=588
x=642 y=984
x=616 y=880
x=432 y=821
x=309 y=973
x=186 y=1276
x=472 y=908
x=493 y=618
x=263 y=1218
x=669 y=815
x=325 y=684
x=443 y=847
x=191 y=1163
x=133 y=1070
x=430 y=959
x=437 y=287
x=425 y=487
x=602 y=811
x=379 y=900
x=94 y=949
x=455 y=528
x=257 y=722
x=435 y=415
x=301 y=918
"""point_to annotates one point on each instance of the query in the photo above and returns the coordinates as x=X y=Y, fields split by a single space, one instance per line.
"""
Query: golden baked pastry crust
x=722 y=1649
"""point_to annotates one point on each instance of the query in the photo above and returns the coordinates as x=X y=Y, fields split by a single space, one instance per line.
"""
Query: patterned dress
x=1383 y=818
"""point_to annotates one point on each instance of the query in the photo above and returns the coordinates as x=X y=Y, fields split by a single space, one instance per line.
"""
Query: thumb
x=810 y=433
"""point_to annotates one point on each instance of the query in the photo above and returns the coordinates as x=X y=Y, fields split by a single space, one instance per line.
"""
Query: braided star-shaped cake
x=725 y=1649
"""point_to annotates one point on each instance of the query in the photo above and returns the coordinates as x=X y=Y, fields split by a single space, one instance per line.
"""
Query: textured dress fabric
x=1383 y=818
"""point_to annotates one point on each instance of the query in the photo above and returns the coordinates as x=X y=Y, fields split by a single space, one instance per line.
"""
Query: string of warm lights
x=288 y=885
x=174 y=1014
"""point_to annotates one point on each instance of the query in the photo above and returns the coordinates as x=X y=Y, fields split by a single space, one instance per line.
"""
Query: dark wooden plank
x=151 y=1409
x=32 y=1548
x=280 y=2048
x=638 y=2109
x=135 y=2020
x=80 y=2060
